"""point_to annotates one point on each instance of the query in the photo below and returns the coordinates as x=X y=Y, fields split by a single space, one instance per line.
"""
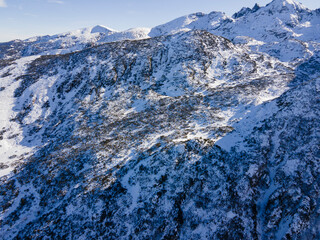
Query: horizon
x=22 y=20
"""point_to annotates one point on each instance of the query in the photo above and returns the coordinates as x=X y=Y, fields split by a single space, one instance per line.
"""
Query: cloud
x=3 y=3
x=30 y=15
x=55 y=1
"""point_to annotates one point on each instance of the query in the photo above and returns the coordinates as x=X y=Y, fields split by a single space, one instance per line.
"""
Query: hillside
x=200 y=128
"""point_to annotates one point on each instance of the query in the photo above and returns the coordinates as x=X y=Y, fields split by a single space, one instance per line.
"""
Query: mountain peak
x=246 y=10
x=276 y=6
x=256 y=7
x=101 y=29
x=280 y=4
x=283 y=2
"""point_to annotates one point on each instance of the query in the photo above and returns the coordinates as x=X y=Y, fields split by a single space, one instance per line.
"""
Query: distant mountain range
x=206 y=127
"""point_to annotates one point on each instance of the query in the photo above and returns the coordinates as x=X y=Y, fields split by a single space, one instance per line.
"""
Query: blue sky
x=26 y=18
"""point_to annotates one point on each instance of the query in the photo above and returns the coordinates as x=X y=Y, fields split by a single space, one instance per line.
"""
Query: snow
x=199 y=21
x=140 y=105
x=231 y=214
x=252 y=170
x=261 y=29
x=130 y=34
x=28 y=216
x=102 y=29
x=237 y=93
x=11 y=149
x=198 y=132
x=251 y=117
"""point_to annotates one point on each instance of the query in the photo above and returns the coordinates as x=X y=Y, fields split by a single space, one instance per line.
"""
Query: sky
x=20 y=19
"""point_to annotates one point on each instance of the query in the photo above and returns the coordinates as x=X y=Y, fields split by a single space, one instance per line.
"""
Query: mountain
x=280 y=26
x=279 y=20
x=190 y=130
x=198 y=21
x=67 y=42
x=284 y=29
x=102 y=29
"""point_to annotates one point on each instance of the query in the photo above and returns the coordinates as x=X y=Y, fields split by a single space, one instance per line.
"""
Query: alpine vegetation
x=206 y=127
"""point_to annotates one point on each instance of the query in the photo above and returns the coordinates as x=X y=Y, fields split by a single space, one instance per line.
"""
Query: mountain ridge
x=186 y=135
x=294 y=26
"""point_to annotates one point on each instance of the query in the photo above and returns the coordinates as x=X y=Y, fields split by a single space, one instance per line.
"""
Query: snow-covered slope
x=282 y=25
x=279 y=20
x=68 y=42
x=198 y=21
x=284 y=29
x=137 y=96
x=230 y=67
x=182 y=134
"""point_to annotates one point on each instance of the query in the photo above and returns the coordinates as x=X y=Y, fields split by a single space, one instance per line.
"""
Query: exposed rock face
x=181 y=136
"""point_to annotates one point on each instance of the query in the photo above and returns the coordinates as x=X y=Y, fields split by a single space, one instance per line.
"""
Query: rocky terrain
x=206 y=127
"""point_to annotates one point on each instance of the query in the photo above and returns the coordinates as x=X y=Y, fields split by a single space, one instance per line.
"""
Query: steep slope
x=282 y=165
x=179 y=135
x=228 y=67
x=279 y=20
x=126 y=127
x=284 y=29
